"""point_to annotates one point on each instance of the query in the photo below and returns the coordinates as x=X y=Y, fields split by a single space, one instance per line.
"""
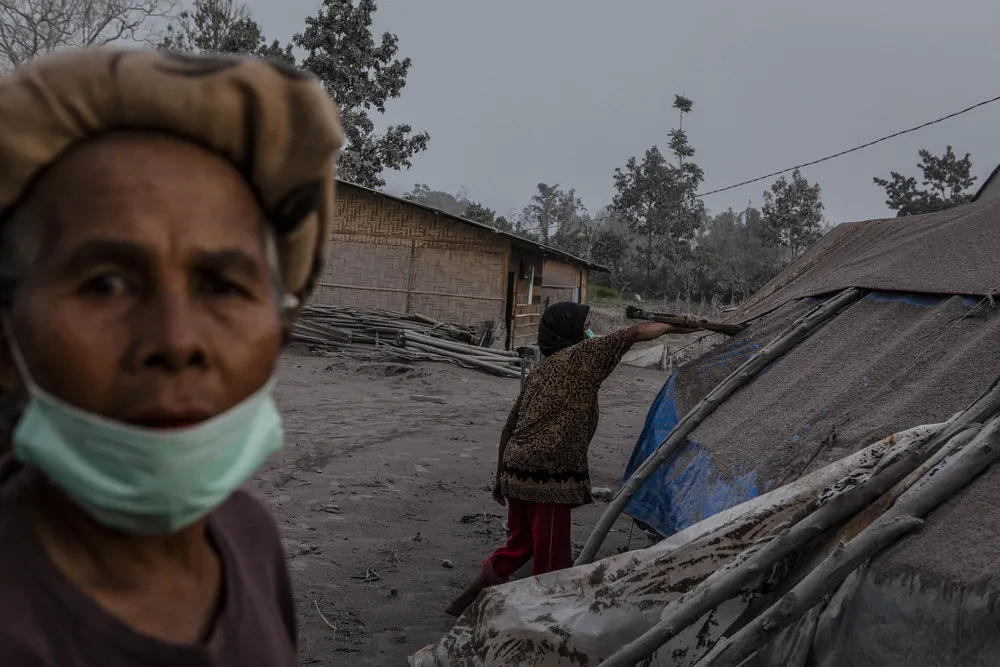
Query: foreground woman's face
x=150 y=298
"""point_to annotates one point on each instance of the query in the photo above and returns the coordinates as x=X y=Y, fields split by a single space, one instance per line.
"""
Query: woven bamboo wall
x=561 y=281
x=389 y=254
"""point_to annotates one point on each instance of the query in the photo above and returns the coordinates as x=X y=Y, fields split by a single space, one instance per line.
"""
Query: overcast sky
x=514 y=92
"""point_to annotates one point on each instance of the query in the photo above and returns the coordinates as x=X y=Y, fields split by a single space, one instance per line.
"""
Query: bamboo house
x=397 y=255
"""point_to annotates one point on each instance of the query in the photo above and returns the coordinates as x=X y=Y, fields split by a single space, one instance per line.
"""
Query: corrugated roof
x=545 y=250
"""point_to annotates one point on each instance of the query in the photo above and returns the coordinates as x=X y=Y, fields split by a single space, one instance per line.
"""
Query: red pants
x=537 y=530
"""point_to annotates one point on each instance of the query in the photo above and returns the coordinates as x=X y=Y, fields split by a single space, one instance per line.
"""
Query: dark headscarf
x=562 y=326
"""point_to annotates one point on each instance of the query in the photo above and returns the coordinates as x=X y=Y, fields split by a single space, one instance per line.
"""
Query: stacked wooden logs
x=405 y=337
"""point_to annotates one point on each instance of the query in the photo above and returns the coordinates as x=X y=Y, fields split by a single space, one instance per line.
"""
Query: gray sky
x=563 y=91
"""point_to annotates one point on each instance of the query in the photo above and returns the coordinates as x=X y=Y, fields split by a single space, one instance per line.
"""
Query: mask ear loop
x=15 y=351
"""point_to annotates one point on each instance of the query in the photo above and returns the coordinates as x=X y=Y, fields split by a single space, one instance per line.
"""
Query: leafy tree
x=731 y=258
x=222 y=26
x=792 y=214
x=947 y=182
x=444 y=201
x=574 y=235
x=29 y=28
x=660 y=204
x=503 y=224
x=611 y=249
x=551 y=210
x=679 y=145
x=478 y=213
x=361 y=75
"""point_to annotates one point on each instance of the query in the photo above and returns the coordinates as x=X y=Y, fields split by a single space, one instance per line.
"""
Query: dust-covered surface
x=958 y=544
x=384 y=501
x=931 y=599
x=949 y=252
x=887 y=363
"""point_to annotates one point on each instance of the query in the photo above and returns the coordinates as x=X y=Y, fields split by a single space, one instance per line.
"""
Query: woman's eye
x=106 y=285
x=221 y=286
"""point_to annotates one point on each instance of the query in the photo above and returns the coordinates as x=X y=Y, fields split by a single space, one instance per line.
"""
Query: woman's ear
x=290 y=309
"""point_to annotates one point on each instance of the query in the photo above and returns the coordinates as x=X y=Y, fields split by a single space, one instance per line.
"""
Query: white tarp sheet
x=580 y=616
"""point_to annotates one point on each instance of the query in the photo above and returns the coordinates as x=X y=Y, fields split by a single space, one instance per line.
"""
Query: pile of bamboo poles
x=497 y=362
x=402 y=337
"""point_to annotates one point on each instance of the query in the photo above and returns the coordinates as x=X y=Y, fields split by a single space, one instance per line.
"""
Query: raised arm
x=596 y=359
x=647 y=331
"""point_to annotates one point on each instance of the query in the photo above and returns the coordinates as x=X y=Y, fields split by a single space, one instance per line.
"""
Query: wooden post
x=412 y=274
x=749 y=369
x=531 y=283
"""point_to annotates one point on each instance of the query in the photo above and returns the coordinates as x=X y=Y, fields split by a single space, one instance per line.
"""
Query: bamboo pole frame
x=785 y=341
x=726 y=582
x=939 y=484
x=874 y=496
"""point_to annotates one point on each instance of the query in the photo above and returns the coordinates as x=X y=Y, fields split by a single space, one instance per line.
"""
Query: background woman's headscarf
x=562 y=326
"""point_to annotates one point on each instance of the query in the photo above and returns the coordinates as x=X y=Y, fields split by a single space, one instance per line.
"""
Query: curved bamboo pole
x=809 y=592
x=728 y=581
x=773 y=350
x=942 y=482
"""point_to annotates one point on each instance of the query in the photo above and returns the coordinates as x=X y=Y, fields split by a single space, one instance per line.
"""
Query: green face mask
x=140 y=480
x=590 y=334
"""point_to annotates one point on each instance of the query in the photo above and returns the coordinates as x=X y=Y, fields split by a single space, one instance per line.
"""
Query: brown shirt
x=553 y=421
x=45 y=621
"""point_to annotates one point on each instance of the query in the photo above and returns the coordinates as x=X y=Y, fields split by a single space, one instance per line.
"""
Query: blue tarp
x=687 y=487
x=693 y=484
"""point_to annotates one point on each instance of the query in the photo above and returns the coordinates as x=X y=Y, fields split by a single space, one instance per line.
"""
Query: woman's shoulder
x=246 y=520
x=601 y=346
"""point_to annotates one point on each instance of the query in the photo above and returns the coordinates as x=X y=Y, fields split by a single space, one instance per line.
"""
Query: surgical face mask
x=141 y=480
x=590 y=334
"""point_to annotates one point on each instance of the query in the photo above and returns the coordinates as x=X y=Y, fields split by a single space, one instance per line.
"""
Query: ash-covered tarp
x=889 y=361
x=580 y=616
x=944 y=253
x=931 y=599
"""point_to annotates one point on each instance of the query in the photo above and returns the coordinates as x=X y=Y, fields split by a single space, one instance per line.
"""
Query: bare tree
x=29 y=28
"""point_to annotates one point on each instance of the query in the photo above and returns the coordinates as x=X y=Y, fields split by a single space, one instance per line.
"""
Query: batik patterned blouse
x=553 y=421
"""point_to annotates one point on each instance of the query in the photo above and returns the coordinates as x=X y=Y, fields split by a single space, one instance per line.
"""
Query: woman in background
x=542 y=471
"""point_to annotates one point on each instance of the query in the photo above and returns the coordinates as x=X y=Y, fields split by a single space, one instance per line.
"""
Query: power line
x=813 y=162
x=852 y=150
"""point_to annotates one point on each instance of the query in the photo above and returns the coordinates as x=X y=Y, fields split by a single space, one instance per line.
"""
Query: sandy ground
x=384 y=501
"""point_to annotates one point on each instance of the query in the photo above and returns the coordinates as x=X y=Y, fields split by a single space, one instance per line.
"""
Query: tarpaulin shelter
x=922 y=343
x=918 y=346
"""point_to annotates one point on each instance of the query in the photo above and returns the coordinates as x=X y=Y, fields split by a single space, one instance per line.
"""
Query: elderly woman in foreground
x=542 y=471
x=161 y=217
